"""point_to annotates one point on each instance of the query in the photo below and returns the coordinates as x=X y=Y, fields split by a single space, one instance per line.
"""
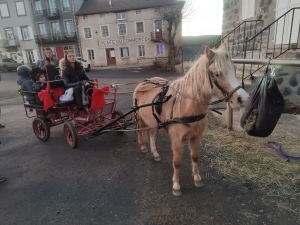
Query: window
x=248 y=9
x=4 y=10
x=102 y=15
x=9 y=33
x=55 y=27
x=66 y=5
x=20 y=9
x=42 y=29
x=85 y=17
x=87 y=32
x=138 y=12
x=139 y=27
x=52 y=7
x=30 y=57
x=68 y=48
x=122 y=28
x=142 y=52
x=121 y=16
x=90 y=54
x=124 y=52
x=25 y=33
x=69 y=26
x=38 y=7
x=104 y=31
x=159 y=49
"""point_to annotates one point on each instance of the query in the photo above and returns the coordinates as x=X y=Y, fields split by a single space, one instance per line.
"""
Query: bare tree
x=174 y=14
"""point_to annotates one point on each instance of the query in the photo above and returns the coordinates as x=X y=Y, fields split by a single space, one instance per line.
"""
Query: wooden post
x=229 y=116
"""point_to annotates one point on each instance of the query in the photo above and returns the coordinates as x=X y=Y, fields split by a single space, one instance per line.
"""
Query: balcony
x=156 y=36
x=10 y=44
x=51 y=14
x=56 y=38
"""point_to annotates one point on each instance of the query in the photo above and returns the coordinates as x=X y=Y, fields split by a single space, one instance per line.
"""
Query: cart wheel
x=41 y=129
x=116 y=114
x=71 y=134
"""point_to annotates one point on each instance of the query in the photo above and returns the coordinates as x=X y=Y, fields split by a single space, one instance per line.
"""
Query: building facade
x=55 y=25
x=266 y=28
x=112 y=32
x=17 y=32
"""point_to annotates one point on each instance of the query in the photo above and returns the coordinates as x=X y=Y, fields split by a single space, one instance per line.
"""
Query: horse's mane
x=195 y=83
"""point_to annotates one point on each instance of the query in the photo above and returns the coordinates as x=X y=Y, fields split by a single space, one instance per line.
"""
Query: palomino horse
x=184 y=115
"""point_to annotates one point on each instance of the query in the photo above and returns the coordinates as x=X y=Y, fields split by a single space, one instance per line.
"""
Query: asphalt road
x=107 y=180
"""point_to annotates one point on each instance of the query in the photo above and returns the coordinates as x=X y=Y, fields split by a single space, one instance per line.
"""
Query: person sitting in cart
x=39 y=77
x=75 y=77
x=25 y=82
x=50 y=63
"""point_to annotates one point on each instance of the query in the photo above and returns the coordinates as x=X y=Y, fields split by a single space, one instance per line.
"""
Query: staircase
x=249 y=40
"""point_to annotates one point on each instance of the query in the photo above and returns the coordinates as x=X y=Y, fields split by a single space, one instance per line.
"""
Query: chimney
x=110 y=5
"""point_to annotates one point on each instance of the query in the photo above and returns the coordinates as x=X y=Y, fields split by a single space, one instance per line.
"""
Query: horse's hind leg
x=194 y=146
x=154 y=152
x=177 y=147
x=142 y=134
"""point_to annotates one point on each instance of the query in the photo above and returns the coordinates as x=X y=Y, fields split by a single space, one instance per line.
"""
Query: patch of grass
x=238 y=155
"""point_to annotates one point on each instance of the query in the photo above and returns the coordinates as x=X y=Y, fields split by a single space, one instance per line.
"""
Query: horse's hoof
x=199 y=183
x=157 y=159
x=176 y=193
x=144 y=150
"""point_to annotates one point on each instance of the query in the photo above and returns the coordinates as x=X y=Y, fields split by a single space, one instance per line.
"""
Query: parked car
x=86 y=64
x=7 y=65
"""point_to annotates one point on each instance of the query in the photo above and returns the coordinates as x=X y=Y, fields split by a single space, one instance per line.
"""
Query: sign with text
x=125 y=40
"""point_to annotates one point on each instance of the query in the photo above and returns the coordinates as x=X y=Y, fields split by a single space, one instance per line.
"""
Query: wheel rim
x=68 y=135
x=39 y=129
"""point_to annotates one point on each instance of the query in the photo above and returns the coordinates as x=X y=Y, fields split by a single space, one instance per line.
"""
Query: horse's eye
x=217 y=75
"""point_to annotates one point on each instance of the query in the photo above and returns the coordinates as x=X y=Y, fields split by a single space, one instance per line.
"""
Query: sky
x=207 y=18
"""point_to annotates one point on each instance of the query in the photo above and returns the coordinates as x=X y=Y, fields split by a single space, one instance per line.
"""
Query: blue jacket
x=26 y=85
x=41 y=63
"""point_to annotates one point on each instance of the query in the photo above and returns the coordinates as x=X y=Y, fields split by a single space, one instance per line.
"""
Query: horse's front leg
x=154 y=152
x=177 y=147
x=194 y=147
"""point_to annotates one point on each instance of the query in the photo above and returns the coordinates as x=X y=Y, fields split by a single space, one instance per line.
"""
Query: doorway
x=111 y=56
x=158 y=28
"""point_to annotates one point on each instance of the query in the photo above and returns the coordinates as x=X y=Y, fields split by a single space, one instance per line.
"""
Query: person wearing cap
x=25 y=82
x=39 y=77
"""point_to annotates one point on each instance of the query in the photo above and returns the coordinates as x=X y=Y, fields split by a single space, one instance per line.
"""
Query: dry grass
x=238 y=155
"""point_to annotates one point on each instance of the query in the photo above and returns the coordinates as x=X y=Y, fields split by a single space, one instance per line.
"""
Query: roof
x=102 y=6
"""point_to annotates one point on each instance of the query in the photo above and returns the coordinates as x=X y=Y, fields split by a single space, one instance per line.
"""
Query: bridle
x=212 y=80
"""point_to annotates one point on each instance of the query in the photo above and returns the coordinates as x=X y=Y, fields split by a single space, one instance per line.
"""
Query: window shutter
x=251 y=10
x=35 y=55
x=19 y=33
x=296 y=20
x=30 y=32
x=281 y=33
x=24 y=57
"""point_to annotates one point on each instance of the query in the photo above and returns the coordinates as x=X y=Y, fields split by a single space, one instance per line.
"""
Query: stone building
x=16 y=32
x=116 y=32
x=55 y=25
x=265 y=29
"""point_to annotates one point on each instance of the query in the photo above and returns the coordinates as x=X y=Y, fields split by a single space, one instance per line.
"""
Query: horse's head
x=222 y=76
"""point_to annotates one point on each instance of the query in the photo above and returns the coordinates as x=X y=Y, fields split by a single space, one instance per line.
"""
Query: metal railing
x=264 y=45
x=52 y=13
x=235 y=39
x=56 y=38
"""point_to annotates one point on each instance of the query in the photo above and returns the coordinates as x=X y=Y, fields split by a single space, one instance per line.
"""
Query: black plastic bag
x=263 y=109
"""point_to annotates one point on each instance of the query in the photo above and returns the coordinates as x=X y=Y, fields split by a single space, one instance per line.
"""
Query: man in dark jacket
x=25 y=82
x=49 y=60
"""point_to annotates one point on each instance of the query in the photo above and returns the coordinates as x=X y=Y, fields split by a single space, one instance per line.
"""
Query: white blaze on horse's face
x=231 y=77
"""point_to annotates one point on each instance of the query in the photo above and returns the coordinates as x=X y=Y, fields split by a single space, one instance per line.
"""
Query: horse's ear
x=223 y=47
x=209 y=53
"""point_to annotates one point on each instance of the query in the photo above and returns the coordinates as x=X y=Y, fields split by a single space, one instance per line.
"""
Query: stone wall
x=288 y=81
x=288 y=78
